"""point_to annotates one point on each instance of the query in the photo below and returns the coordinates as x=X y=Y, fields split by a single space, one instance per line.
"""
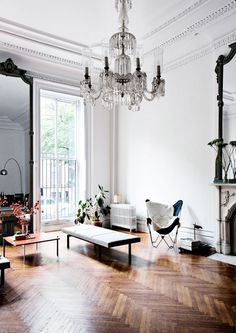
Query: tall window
x=62 y=153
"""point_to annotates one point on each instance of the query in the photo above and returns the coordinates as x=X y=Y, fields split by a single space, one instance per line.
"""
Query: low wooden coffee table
x=33 y=239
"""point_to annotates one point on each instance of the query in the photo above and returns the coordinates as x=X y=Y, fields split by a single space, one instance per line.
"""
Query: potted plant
x=100 y=208
x=95 y=210
x=84 y=211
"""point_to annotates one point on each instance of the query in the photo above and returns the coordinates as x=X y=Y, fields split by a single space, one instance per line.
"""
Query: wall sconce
x=4 y=171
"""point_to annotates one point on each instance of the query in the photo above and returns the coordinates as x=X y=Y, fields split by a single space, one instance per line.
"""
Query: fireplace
x=227 y=219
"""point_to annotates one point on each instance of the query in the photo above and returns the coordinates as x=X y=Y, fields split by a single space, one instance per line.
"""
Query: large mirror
x=226 y=79
x=229 y=98
x=16 y=134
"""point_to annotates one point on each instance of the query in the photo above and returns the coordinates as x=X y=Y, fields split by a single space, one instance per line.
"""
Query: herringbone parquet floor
x=162 y=291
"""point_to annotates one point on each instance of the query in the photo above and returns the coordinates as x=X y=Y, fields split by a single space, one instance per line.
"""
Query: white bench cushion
x=100 y=236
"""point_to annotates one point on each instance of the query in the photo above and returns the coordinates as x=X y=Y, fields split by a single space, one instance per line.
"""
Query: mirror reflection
x=229 y=94
x=14 y=138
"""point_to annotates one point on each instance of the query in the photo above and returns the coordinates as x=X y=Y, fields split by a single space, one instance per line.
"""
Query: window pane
x=66 y=122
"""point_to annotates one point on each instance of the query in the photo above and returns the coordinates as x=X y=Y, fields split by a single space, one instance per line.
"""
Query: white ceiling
x=89 y=22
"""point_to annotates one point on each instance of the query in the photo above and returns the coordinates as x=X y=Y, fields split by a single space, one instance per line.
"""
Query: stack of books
x=189 y=244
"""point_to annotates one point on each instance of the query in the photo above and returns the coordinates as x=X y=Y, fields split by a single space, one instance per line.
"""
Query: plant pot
x=97 y=223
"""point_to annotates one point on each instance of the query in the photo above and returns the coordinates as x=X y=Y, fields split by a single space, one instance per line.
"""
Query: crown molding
x=200 y=24
x=225 y=40
x=175 y=18
x=204 y=51
x=229 y=113
x=7 y=124
x=208 y=19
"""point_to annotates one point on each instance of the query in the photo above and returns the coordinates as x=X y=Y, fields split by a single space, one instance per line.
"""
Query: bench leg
x=2 y=277
x=129 y=254
x=68 y=241
x=99 y=252
x=57 y=247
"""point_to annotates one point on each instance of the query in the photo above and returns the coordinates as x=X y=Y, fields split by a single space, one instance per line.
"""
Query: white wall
x=163 y=153
x=101 y=148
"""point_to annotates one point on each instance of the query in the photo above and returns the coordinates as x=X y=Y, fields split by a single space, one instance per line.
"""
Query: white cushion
x=99 y=236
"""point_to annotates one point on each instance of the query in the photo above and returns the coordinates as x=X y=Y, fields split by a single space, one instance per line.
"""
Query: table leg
x=129 y=253
x=57 y=247
x=2 y=277
x=24 y=253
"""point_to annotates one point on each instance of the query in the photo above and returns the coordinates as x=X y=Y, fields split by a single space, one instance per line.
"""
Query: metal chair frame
x=166 y=231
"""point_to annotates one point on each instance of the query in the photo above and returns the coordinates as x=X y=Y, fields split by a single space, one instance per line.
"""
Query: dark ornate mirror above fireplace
x=16 y=137
x=226 y=79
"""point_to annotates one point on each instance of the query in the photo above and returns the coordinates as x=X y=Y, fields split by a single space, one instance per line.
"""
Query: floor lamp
x=4 y=171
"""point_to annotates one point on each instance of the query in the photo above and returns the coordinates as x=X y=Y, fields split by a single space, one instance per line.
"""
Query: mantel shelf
x=224 y=184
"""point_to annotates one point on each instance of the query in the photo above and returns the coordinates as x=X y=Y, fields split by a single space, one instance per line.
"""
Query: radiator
x=124 y=215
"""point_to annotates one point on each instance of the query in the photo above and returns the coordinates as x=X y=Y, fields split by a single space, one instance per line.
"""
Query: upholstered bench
x=100 y=236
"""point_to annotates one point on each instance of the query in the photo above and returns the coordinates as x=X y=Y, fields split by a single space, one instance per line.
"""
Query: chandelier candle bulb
x=138 y=64
x=158 y=71
x=106 y=63
x=86 y=71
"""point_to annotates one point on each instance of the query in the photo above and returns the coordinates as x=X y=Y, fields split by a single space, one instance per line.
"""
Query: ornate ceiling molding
x=193 y=56
x=7 y=124
x=200 y=24
x=197 y=54
x=174 y=19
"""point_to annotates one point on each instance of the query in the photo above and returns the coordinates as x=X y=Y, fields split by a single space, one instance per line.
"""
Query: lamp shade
x=3 y=172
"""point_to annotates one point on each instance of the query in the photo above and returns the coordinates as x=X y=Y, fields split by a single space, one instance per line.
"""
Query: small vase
x=225 y=177
x=25 y=229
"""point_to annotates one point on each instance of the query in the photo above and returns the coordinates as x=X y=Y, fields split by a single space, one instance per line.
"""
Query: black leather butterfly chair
x=161 y=233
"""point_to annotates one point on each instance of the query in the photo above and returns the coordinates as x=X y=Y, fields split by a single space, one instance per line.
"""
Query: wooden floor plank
x=162 y=291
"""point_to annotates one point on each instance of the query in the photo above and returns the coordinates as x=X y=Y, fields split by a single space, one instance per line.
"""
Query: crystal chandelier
x=121 y=87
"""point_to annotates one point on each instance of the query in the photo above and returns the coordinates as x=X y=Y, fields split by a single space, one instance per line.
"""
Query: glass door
x=61 y=124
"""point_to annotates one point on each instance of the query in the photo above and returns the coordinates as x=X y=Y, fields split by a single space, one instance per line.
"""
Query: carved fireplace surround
x=226 y=243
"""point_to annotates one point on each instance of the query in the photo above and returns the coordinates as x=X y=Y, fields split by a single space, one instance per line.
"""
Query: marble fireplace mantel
x=226 y=243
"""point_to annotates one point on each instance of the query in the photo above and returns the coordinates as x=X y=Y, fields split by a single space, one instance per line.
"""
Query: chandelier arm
x=149 y=99
x=98 y=94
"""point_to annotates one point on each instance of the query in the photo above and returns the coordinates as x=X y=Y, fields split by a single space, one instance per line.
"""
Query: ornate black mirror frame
x=8 y=68
x=221 y=61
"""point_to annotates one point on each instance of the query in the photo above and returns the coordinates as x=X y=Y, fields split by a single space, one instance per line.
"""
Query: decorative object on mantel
x=93 y=209
x=227 y=197
x=24 y=214
x=121 y=86
x=226 y=158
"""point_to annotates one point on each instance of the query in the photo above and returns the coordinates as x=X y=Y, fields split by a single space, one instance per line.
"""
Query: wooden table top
x=34 y=238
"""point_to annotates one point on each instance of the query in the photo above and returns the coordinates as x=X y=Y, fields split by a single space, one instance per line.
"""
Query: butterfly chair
x=162 y=219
